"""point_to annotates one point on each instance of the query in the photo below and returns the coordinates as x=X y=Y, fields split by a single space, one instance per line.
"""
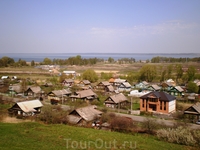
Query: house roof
x=16 y=88
x=156 y=87
x=126 y=84
x=35 y=89
x=194 y=109
x=88 y=113
x=85 y=93
x=62 y=92
x=118 y=98
x=145 y=83
x=161 y=95
x=29 y=106
x=86 y=82
x=105 y=83
x=110 y=88
x=179 y=88
x=119 y=80
x=69 y=80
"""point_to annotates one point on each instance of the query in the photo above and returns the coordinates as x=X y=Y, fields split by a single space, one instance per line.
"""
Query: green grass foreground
x=34 y=136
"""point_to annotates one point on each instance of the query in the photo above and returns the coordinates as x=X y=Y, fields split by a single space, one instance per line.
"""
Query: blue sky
x=100 y=26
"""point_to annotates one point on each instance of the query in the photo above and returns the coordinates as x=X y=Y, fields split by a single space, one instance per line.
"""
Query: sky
x=99 y=26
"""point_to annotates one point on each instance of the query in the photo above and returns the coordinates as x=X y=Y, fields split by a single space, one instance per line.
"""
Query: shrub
x=179 y=135
x=122 y=124
x=150 y=125
x=53 y=115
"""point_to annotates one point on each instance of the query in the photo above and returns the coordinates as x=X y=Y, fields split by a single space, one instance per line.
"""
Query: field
x=32 y=135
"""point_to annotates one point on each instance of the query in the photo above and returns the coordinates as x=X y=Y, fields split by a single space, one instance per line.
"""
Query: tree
x=179 y=72
x=6 y=61
x=169 y=71
x=148 y=73
x=110 y=60
x=47 y=61
x=32 y=63
x=90 y=75
x=192 y=87
x=191 y=73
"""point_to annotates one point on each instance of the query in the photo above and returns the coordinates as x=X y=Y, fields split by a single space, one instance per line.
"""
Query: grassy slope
x=39 y=136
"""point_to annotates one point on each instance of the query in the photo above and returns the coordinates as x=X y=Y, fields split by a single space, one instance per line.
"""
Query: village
x=119 y=95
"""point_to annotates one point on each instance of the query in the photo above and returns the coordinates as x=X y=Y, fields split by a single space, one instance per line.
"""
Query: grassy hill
x=32 y=135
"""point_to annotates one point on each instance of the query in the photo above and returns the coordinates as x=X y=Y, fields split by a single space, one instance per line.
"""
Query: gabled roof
x=62 y=92
x=145 y=83
x=155 y=87
x=16 y=88
x=29 y=106
x=104 y=83
x=119 y=80
x=88 y=113
x=125 y=84
x=86 y=82
x=85 y=93
x=117 y=98
x=161 y=95
x=179 y=88
x=194 y=109
x=35 y=89
x=110 y=88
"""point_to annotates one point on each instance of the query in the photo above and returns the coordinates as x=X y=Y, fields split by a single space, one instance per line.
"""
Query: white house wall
x=172 y=106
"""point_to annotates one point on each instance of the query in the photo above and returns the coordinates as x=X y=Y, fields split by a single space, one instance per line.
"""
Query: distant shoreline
x=39 y=57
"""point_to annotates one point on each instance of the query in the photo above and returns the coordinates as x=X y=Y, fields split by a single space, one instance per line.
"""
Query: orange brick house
x=160 y=102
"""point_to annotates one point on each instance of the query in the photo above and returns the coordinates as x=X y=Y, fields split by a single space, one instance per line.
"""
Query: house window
x=164 y=105
x=142 y=102
x=153 y=99
x=160 y=105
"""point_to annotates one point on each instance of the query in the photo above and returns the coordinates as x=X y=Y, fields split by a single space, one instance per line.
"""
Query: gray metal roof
x=28 y=106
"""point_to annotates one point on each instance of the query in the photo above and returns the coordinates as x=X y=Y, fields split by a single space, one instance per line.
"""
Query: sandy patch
x=106 y=71
x=14 y=120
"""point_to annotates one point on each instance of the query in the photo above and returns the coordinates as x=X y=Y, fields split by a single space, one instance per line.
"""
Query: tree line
x=159 y=59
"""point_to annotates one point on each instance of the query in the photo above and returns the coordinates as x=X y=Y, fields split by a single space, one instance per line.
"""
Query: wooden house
x=176 y=91
x=142 y=85
x=85 y=84
x=117 y=82
x=159 y=102
x=82 y=116
x=59 y=95
x=124 y=86
x=15 y=89
x=193 y=110
x=116 y=101
x=88 y=95
x=68 y=82
x=102 y=85
x=109 y=89
x=34 y=91
x=26 y=108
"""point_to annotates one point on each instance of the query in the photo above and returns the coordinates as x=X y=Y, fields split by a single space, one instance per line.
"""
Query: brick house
x=160 y=102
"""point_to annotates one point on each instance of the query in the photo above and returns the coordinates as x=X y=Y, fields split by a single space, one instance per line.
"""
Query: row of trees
x=159 y=59
x=7 y=61
x=78 y=60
